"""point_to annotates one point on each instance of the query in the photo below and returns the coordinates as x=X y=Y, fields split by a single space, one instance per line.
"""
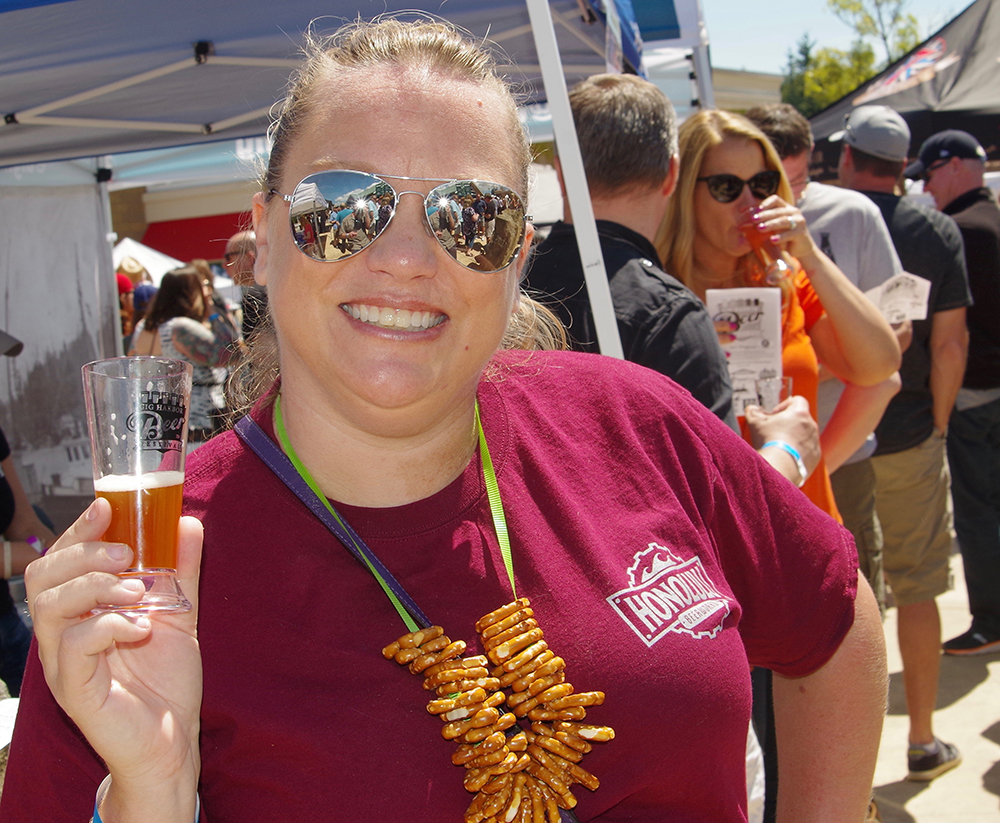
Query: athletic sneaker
x=926 y=766
x=972 y=642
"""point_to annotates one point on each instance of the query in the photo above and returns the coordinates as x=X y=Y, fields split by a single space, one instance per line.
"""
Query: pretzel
x=511 y=647
x=556 y=746
x=457 y=663
x=502 y=625
x=517 y=742
x=484 y=761
x=572 y=713
x=509 y=633
x=581 y=699
x=524 y=777
x=411 y=640
x=599 y=733
x=573 y=742
x=582 y=776
x=518 y=660
x=489 y=683
x=553 y=665
x=447 y=652
x=507 y=678
x=500 y=614
x=516 y=796
x=553 y=781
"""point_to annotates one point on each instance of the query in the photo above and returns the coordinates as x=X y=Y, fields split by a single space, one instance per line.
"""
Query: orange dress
x=798 y=361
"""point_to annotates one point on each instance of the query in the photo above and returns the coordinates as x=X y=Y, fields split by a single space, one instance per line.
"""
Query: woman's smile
x=394 y=318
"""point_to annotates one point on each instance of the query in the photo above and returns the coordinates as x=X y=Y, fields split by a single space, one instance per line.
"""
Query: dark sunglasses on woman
x=727 y=187
x=338 y=213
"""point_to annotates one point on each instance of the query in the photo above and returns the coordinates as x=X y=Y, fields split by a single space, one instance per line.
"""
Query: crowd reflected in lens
x=338 y=213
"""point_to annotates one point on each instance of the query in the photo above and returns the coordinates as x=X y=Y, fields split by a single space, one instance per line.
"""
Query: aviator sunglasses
x=727 y=187
x=338 y=213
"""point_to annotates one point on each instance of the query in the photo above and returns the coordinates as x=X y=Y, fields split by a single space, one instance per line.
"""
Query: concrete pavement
x=968 y=715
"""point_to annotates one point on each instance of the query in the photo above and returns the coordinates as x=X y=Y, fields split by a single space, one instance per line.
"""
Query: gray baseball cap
x=876 y=130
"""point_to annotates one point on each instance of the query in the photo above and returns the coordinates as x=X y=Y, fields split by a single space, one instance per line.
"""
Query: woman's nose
x=406 y=247
x=746 y=200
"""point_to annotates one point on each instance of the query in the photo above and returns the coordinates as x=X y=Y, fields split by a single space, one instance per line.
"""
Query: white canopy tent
x=87 y=79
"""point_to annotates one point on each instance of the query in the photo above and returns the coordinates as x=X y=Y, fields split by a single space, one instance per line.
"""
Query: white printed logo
x=667 y=595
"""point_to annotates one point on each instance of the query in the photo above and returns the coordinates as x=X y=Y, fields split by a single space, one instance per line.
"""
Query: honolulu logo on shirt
x=666 y=594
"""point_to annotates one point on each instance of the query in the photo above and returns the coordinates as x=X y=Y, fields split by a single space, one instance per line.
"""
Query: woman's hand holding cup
x=786 y=226
x=133 y=686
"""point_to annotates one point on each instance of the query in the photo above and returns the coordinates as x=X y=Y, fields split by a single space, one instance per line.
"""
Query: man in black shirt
x=952 y=164
x=911 y=478
x=628 y=138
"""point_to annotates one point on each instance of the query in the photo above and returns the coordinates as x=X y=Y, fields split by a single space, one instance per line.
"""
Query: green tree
x=793 y=88
x=887 y=20
x=814 y=80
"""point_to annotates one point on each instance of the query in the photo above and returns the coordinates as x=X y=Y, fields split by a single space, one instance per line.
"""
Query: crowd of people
x=696 y=566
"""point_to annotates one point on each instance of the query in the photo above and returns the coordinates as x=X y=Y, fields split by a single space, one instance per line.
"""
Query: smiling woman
x=499 y=492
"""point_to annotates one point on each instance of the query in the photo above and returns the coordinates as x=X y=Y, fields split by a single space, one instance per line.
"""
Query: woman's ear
x=260 y=232
x=521 y=264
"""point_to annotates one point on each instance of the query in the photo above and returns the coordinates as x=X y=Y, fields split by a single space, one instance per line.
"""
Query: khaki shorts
x=912 y=488
x=854 y=491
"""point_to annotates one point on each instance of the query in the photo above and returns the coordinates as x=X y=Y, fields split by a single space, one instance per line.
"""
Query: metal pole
x=575 y=179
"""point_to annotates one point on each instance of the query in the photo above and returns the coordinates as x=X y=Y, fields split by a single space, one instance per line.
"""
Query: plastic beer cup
x=137 y=412
x=773 y=390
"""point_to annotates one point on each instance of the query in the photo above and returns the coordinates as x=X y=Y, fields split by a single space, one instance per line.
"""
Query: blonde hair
x=698 y=134
x=432 y=46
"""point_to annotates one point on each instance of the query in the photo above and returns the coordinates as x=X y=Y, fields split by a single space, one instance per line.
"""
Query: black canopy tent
x=950 y=81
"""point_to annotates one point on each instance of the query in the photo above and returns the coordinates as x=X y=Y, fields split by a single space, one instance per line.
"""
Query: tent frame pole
x=575 y=179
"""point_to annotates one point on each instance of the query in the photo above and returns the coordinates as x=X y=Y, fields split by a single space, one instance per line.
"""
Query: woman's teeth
x=388 y=318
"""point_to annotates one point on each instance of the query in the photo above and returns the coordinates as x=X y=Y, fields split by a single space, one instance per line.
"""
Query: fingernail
x=133 y=585
x=775 y=238
x=91 y=512
x=143 y=622
x=118 y=551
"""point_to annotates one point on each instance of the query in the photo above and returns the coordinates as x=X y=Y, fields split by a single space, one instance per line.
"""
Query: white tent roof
x=156 y=263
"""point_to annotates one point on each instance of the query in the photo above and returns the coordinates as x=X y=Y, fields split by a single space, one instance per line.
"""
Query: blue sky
x=757 y=34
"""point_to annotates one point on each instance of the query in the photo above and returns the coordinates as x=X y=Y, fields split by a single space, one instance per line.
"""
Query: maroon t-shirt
x=661 y=555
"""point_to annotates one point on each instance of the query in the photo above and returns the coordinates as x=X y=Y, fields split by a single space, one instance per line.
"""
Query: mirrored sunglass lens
x=725 y=187
x=335 y=214
x=480 y=224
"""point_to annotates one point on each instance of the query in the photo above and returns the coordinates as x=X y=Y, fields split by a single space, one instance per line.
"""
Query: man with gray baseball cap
x=952 y=165
x=911 y=469
x=875 y=130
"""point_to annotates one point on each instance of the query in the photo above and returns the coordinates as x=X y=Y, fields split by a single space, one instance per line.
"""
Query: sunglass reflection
x=336 y=214
x=727 y=187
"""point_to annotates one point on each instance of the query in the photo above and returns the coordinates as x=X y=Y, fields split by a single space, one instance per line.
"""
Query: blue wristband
x=789 y=449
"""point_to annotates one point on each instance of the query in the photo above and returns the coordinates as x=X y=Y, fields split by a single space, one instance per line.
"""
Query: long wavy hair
x=699 y=133
x=180 y=295
x=441 y=50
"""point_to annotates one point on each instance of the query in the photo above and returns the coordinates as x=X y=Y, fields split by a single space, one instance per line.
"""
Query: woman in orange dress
x=727 y=168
